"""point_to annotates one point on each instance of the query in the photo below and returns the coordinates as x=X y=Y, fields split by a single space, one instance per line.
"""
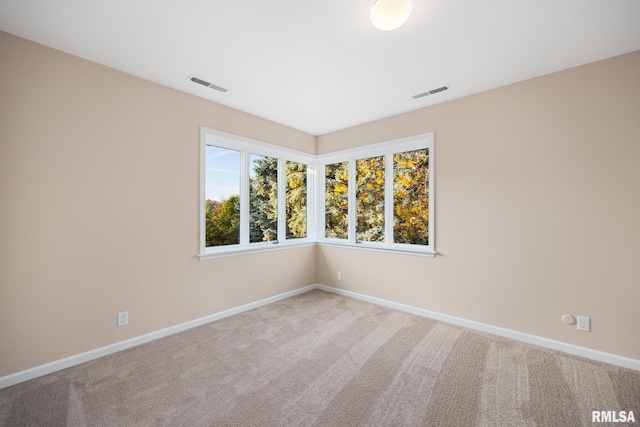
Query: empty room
x=338 y=213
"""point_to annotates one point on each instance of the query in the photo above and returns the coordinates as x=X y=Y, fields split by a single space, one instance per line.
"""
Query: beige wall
x=537 y=208
x=99 y=175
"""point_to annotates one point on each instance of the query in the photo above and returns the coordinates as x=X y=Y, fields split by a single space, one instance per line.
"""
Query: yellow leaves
x=296 y=199
x=336 y=200
x=370 y=178
x=340 y=189
x=410 y=198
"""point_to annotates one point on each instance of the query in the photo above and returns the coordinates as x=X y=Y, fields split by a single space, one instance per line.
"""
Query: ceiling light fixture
x=387 y=15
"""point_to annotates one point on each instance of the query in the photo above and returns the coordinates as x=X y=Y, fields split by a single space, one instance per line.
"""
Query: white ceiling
x=320 y=66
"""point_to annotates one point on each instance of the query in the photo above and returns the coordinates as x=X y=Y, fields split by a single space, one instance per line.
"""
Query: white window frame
x=387 y=149
x=315 y=193
x=247 y=146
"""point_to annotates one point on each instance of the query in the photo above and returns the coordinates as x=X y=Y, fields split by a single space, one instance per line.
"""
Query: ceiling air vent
x=432 y=92
x=206 y=83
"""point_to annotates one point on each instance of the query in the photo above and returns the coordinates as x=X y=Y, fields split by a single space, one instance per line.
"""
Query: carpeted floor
x=320 y=359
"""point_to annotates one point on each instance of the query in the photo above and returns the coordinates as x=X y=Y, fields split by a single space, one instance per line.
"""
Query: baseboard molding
x=58 y=365
x=575 y=350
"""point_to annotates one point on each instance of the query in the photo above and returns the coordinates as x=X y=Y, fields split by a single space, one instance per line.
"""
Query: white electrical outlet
x=339 y=275
x=123 y=318
x=584 y=323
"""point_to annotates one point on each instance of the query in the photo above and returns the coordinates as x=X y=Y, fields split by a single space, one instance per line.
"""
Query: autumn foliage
x=410 y=202
x=223 y=217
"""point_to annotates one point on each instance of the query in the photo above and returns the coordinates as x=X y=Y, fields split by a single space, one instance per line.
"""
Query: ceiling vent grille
x=431 y=92
x=206 y=83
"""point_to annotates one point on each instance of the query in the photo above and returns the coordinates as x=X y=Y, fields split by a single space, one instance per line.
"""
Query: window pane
x=411 y=197
x=263 y=198
x=222 y=193
x=337 y=200
x=370 y=199
x=296 y=178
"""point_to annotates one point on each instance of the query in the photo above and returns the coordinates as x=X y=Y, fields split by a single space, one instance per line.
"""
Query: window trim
x=315 y=193
x=248 y=146
x=387 y=149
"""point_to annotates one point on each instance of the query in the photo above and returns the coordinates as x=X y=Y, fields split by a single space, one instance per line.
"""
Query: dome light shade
x=387 y=15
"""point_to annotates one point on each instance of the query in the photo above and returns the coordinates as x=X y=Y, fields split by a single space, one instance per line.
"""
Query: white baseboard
x=57 y=365
x=575 y=350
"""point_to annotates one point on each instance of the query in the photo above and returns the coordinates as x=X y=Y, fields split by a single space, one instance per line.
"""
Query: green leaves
x=263 y=199
x=223 y=221
x=223 y=218
x=296 y=200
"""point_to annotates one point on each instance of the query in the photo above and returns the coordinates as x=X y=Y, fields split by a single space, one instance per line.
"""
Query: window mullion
x=352 y=201
x=312 y=185
x=388 y=199
x=244 y=198
x=282 y=200
x=321 y=205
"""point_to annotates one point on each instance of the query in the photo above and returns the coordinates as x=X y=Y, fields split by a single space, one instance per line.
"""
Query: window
x=411 y=197
x=296 y=177
x=222 y=203
x=370 y=199
x=256 y=196
x=253 y=195
x=263 y=198
x=380 y=196
x=337 y=200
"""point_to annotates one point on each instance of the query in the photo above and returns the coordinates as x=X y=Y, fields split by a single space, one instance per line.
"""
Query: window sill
x=336 y=244
x=392 y=250
x=227 y=252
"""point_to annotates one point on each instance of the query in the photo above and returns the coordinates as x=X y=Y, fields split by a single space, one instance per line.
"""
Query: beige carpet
x=320 y=359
